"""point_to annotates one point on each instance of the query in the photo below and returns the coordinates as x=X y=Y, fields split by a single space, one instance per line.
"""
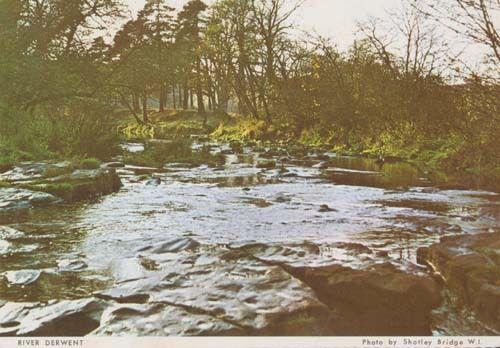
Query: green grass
x=52 y=172
x=87 y=163
x=59 y=189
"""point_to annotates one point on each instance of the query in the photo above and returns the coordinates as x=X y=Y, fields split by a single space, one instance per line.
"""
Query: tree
x=476 y=20
x=189 y=38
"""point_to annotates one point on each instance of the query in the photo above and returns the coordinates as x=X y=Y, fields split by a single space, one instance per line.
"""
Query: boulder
x=470 y=266
x=22 y=277
x=15 y=199
x=83 y=184
x=231 y=293
x=379 y=301
x=58 y=318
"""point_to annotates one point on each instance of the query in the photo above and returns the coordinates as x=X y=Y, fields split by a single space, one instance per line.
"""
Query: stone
x=380 y=300
x=8 y=233
x=87 y=183
x=174 y=246
x=153 y=182
x=14 y=199
x=24 y=172
x=5 y=247
x=250 y=295
x=114 y=165
x=71 y=265
x=470 y=266
x=324 y=208
x=22 y=277
x=355 y=248
x=58 y=318
x=321 y=165
x=161 y=320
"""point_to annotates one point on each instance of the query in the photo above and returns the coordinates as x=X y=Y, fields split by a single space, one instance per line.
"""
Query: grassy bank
x=450 y=155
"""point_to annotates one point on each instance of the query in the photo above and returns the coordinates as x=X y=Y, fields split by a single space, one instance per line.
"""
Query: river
x=356 y=211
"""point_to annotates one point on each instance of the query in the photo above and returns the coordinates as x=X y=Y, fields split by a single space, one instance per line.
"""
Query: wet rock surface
x=42 y=184
x=470 y=266
x=379 y=300
x=58 y=318
x=15 y=199
x=295 y=248
x=246 y=295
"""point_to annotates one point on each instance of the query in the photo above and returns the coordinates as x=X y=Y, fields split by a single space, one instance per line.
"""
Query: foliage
x=399 y=90
x=88 y=163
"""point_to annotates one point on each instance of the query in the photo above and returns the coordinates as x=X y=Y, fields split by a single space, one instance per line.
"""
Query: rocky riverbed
x=272 y=242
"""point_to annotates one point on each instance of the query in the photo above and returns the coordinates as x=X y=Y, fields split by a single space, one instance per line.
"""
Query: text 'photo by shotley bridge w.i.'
x=250 y=168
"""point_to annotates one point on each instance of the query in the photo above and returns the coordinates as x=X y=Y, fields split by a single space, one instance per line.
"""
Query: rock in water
x=71 y=265
x=114 y=165
x=14 y=199
x=9 y=233
x=173 y=246
x=153 y=182
x=470 y=265
x=321 y=165
x=23 y=277
x=5 y=247
x=213 y=294
x=59 y=318
x=378 y=301
x=324 y=208
x=161 y=320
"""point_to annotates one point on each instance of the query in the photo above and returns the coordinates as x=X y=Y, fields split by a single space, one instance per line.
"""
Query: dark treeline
x=400 y=89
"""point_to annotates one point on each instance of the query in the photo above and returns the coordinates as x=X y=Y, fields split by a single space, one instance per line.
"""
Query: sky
x=334 y=19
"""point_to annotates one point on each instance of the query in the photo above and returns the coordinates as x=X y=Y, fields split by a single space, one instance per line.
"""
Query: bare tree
x=409 y=45
x=476 y=20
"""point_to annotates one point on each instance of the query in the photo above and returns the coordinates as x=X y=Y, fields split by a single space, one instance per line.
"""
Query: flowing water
x=356 y=211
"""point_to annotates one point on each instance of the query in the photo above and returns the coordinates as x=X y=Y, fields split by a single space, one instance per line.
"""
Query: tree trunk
x=162 y=99
x=173 y=97
x=145 y=108
x=185 y=97
x=136 y=103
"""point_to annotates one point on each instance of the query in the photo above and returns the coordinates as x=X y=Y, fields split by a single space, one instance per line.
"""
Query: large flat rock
x=242 y=292
x=15 y=199
x=379 y=300
x=35 y=184
x=57 y=318
x=470 y=265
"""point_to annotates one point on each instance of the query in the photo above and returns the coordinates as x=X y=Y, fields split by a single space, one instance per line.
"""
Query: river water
x=356 y=211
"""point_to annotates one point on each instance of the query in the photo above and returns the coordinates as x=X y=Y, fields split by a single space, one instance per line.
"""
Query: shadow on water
x=368 y=172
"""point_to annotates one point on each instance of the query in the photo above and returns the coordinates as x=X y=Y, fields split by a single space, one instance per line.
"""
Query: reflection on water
x=49 y=235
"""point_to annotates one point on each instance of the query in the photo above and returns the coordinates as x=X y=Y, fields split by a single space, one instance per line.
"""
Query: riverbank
x=446 y=161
